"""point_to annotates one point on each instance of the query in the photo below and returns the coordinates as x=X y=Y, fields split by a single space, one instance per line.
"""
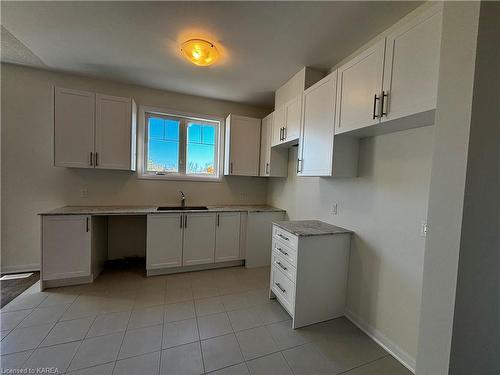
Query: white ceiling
x=263 y=43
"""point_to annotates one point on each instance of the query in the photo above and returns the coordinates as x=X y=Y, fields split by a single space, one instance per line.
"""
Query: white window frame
x=142 y=147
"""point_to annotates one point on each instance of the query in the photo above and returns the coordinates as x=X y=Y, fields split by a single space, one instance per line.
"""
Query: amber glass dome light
x=200 y=52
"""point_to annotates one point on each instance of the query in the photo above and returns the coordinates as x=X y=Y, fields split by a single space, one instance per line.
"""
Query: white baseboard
x=403 y=357
x=21 y=268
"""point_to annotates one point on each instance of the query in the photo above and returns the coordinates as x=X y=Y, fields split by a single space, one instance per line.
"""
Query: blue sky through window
x=163 y=145
x=164 y=151
x=200 y=149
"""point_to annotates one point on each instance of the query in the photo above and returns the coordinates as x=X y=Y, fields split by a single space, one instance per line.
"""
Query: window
x=179 y=147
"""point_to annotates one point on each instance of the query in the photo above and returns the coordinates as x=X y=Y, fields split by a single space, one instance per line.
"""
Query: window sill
x=178 y=178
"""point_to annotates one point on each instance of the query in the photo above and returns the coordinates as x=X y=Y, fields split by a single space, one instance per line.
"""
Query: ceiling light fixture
x=200 y=52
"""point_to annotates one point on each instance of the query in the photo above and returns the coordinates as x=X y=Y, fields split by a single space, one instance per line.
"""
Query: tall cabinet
x=94 y=130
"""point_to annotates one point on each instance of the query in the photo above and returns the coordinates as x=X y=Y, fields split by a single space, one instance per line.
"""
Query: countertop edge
x=140 y=211
x=338 y=230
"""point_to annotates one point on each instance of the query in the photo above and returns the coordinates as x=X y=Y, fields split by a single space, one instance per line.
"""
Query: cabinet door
x=265 y=145
x=278 y=124
x=227 y=237
x=293 y=113
x=73 y=128
x=113 y=132
x=199 y=239
x=316 y=140
x=412 y=66
x=360 y=86
x=66 y=246
x=244 y=146
x=164 y=241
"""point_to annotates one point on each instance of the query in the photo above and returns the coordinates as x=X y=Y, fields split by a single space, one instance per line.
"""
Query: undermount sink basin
x=180 y=208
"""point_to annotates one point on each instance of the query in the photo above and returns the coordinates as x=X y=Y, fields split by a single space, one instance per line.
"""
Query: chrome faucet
x=183 y=199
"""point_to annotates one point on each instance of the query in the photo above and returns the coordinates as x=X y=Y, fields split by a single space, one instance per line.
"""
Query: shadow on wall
x=360 y=296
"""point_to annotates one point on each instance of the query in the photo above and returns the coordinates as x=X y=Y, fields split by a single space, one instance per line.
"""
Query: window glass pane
x=194 y=133
x=172 y=130
x=200 y=149
x=163 y=145
x=209 y=135
x=156 y=127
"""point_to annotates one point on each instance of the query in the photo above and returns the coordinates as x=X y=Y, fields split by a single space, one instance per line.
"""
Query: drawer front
x=289 y=254
x=291 y=240
x=285 y=267
x=283 y=288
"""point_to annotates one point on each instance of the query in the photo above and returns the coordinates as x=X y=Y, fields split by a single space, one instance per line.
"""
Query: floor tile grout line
x=121 y=344
x=363 y=364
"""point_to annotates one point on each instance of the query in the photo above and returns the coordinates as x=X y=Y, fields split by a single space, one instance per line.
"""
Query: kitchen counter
x=310 y=228
x=145 y=210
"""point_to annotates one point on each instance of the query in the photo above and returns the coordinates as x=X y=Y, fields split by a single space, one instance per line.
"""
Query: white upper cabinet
x=115 y=123
x=278 y=125
x=395 y=79
x=93 y=130
x=412 y=66
x=242 y=149
x=359 y=89
x=74 y=114
x=320 y=152
x=293 y=113
x=273 y=161
x=265 y=145
x=227 y=236
x=288 y=107
x=164 y=240
x=199 y=238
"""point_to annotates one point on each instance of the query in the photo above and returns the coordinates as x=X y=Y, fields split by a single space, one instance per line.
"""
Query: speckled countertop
x=144 y=210
x=310 y=228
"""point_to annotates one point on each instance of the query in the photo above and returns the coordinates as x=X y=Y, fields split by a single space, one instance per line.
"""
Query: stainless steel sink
x=180 y=208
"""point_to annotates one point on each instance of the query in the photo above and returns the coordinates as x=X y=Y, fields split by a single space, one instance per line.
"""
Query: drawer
x=279 y=262
x=289 y=254
x=283 y=288
x=291 y=240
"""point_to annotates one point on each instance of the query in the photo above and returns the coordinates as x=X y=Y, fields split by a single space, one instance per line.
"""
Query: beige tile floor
x=218 y=322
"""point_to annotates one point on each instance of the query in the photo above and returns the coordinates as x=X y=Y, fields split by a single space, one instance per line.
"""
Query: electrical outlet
x=423 y=229
x=334 y=209
x=84 y=193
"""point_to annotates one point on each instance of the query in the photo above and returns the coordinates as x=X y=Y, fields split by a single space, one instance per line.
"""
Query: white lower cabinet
x=164 y=240
x=309 y=272
x=191 y=239
x=199 y=239
x=73 y=249
x=227 y=236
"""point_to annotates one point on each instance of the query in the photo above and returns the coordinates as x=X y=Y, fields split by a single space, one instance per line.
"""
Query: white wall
x=30 y=182
x=447 y=187
x=385 y=207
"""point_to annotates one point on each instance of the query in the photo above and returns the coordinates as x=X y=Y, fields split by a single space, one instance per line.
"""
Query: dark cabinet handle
x=96 y=159
x=283 y=290
x=181 y=221
x=267 y=168
x=87 y=224
x=375 y=98
x=91 y=158
x=218 y=219
x=231 y=168
x=284 y=132
x=383 y=112
x=282 y=266
x=185 y=221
